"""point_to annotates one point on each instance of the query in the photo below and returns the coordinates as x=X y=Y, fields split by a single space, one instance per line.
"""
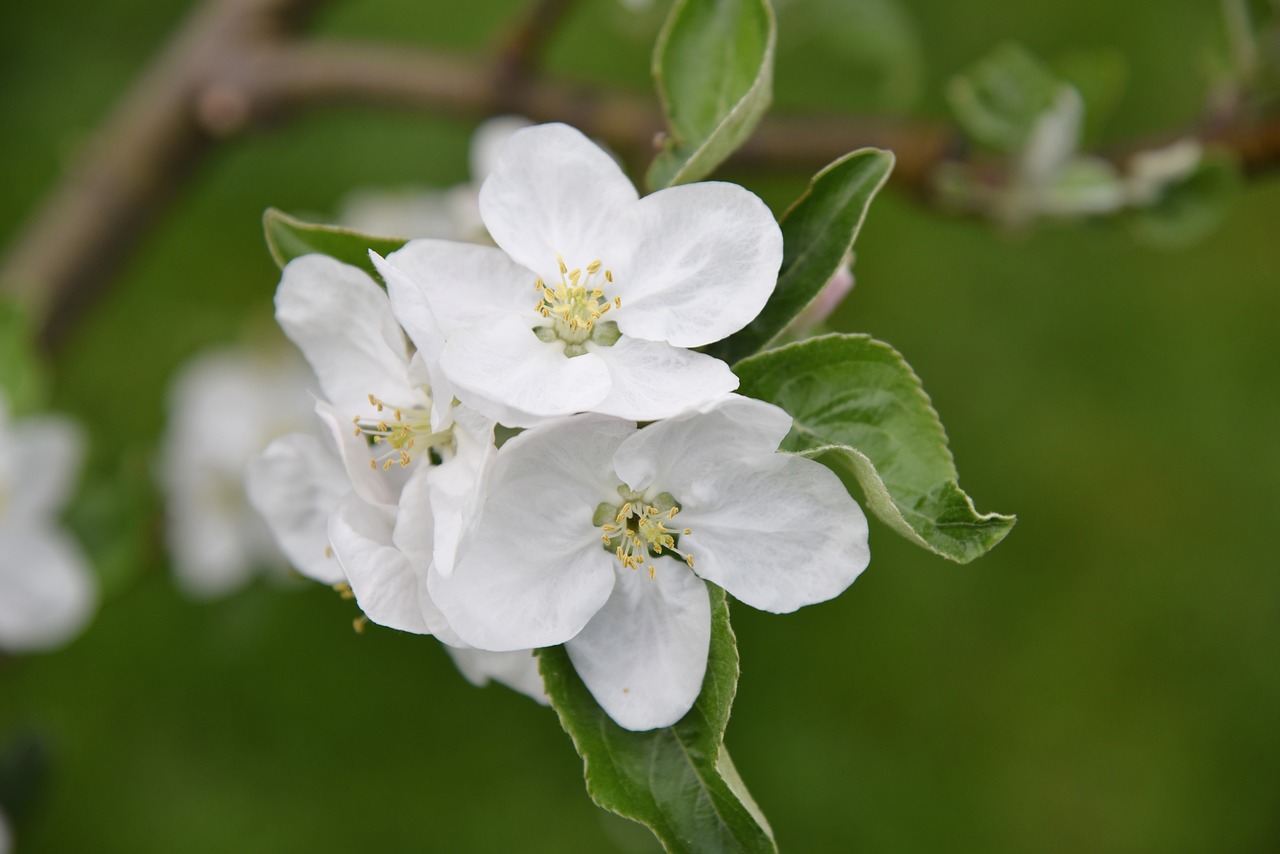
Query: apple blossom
x=600 y=535
x=225 y=406
x=47 y=591
x=392 y=497
x=595 y=295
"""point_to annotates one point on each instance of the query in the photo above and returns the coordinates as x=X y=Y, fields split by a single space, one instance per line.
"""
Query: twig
x=523 y=47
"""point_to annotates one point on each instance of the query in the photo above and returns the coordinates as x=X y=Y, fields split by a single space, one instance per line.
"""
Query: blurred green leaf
x=1100 y=75
x=1189 y=209
x=817 y=231
x=678 y=781
x=289 y=237
x=713 y=65
x=859 y=409
x=22 y=374
x=1000 y=98
x=876 y=43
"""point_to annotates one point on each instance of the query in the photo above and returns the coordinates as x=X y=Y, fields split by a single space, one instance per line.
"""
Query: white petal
x=683 y=455
x=644 y=655
x=518 y=590
x=503 y=361
x=47 y=452
x=295 y=484
x=554 y=191
x=449 y=285
x=457 y=493
x=536 y=570
x=385 y=584
x=517 y=670
x=415 y=526
x=782 y=533
x=652 y=380
x=371 y=482
x=704 y=262
x=47 y=592
x=343 y=324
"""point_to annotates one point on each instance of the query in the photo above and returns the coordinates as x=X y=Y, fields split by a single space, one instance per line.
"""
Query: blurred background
x=1105 y=680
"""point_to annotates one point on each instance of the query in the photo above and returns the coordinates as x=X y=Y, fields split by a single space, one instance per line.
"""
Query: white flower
x=595 y=295
x=452 y=214
x=393 y=496
x=47 y=591
x=598 y=535
x=225 y=406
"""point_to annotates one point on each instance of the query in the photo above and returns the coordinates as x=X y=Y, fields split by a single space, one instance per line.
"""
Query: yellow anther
x=563 y=269
x=652 y=572
x=671 y=514
x=373 y=401
x=608 y=276
x=373 y=465
x=359 y=623
x=387 y=465
x=593 y=267
x=617 y=302
x=686 y=531
x=688 y=558
x=328 y=551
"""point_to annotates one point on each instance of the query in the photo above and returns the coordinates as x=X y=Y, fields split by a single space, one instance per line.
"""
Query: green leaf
x=1000 y=98
x=859 y=409
x=677 y=781
x=1100 y=75
x=22 y=374
x=289 y=237
x=713 y=65
x=817 y=231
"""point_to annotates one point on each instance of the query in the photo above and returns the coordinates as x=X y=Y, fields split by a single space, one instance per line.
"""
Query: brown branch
x=130 y=170
x=524 y=45
x=237 y=65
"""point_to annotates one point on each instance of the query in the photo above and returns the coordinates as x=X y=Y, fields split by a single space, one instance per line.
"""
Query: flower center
x=575 y=306
x=406 y=433
x=637 y=531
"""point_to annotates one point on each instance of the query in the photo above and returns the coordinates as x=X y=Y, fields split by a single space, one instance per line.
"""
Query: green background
x=1105 y=680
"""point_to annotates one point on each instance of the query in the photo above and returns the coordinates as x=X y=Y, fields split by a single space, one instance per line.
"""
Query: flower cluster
x=637 y=474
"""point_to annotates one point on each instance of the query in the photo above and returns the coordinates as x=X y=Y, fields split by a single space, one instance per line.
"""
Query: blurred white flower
x=225 y=406
x=451 y=214
x=47 y=590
